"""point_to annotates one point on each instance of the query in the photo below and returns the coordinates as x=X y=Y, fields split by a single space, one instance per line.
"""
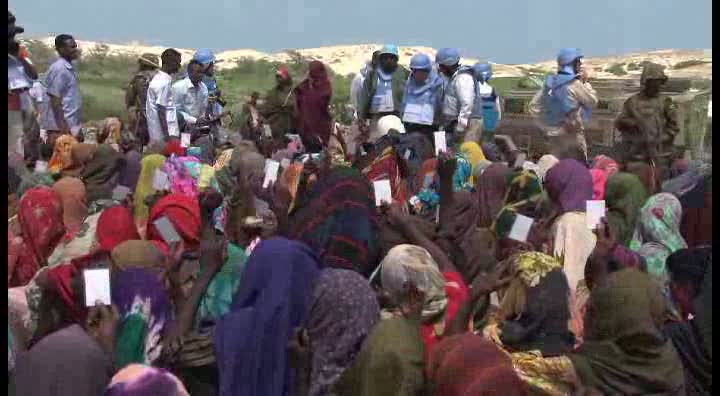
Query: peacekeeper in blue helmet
x=382 y=92
x=564 y=105
x=487 y=108
x=423 y=95
x=459 y=94
x=206 y=58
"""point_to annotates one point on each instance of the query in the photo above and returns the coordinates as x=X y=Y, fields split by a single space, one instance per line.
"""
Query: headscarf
x=144 y=188
x=271 y=301
x=143 y=380
x=72 y=194
x=100 y=173
x=599 y=179
x=657 y=234
x=624 y=351
x=474 y=154
x=111 y=129
x=607 y=164
x=174 y=147
x=646 y=173
x=570 y=183
x=342 y=311
x=137 y=254
x=66 y=362
x=184 y=214
x=384 y=164
x=625 y=194
x=466 y=239
x=545 y=163
x=80 y=155
x=410 y=264
x=218 y=296
x=524 y=192
x=115 y=226
x=693 y=338
x=491 y=151
x=470 y=365
x=492 y=186
x=534 y=309
x=391 y=362
x=463 y=176
x=145 y=309
x=313 y=99
x=338 y=220
x=32 y=180
x=130 y=170
x=685 y=180
x=41 y=226
x=61 y=157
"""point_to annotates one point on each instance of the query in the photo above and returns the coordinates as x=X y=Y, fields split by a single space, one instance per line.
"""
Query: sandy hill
x=347 y=59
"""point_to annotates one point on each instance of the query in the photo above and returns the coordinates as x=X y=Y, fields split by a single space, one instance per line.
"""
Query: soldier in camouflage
x=648 y=122
x=136 y=95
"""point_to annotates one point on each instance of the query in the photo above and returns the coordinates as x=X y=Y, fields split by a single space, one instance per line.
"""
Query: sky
x=502 y=31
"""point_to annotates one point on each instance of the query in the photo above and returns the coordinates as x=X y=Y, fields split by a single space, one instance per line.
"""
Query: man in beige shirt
x=564 y=105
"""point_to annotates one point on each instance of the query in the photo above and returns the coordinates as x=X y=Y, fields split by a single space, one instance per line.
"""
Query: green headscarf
x=625 y=194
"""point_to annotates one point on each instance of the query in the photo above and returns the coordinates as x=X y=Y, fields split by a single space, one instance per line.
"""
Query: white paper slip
x=440 y=142
x=271 y=172
x=383 y=193
x=120 y=192
x=172 y=122
x=160 y=181
x=185 y=140
x=521 y=228
x=167 y=230
x=594 y=212
x=285 y=163
x=97 y=286
x=41 y=166
x=267 y=131
x=407 y=155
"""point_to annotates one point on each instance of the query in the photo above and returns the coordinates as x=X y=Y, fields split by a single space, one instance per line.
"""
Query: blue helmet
x=483 y=71
x=390 y=49
x=420 y=61
x=447 y=56
x=568 y=55
x=204 y=56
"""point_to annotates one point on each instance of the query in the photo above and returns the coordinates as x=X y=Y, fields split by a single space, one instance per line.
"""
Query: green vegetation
x=689 y=63
x=617 y=69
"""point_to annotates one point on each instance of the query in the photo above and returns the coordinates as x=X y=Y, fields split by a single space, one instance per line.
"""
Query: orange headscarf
x=61 y=157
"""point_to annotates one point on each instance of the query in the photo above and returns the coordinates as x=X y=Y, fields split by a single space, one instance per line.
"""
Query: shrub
x=617 y=69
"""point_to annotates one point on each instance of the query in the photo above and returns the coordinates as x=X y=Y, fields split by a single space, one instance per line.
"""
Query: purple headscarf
x=342 y=311
x=130 y=170
x=570 y=184
x=272 y=299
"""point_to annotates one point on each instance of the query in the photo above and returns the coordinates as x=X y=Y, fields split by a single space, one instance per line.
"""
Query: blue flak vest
x=486 y=107
x=556 y=102
x=382 y=100
x=420 y=102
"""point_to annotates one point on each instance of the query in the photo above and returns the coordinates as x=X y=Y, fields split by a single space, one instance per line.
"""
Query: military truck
x=691 y=96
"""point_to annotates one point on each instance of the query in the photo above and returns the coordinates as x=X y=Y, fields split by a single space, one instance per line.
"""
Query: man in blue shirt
x=64 y=114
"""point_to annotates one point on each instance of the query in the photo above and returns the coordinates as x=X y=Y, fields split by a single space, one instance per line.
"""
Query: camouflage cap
x=149 y=59
x=652 y=71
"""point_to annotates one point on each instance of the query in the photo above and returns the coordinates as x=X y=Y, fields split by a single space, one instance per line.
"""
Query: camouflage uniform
x=648 y=123
x=136 y=96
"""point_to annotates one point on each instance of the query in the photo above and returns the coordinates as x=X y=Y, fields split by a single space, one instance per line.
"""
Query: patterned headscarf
x=410 y=264
x=342 y=311
x=74 y=200
x=657 y=234
x=607 y=164
x=143 y=380
x=61 y=158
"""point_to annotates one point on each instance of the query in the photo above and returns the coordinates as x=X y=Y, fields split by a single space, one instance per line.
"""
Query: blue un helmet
x=204 y=56
x=447 y=57
x=483 y=71
x=567 y=56
x=420 y=61
x=390 y=49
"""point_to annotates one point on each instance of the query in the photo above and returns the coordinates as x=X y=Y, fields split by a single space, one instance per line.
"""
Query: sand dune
x=347 y=59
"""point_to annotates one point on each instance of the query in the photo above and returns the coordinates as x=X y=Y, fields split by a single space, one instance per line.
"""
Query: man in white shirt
x=191 y=94
x=160 y=109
